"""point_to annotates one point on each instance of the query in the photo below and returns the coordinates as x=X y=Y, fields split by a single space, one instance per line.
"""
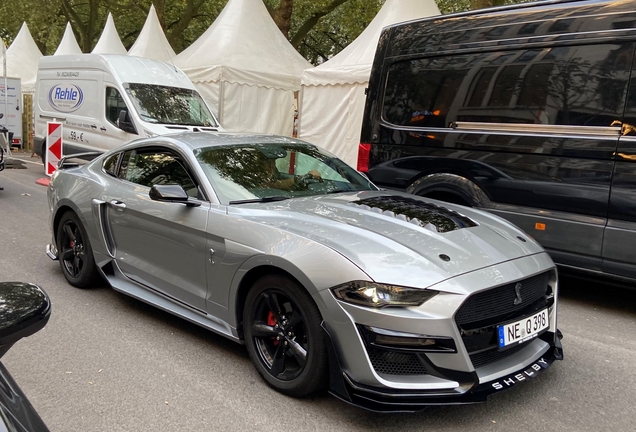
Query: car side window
x=152 y=167
x=563 y=85
x=114 y=105
x=110 y=164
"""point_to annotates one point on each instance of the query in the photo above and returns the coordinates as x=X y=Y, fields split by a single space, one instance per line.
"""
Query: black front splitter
x=394 y=400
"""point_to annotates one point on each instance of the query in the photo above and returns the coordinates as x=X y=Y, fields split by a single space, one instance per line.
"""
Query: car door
x=161 y=245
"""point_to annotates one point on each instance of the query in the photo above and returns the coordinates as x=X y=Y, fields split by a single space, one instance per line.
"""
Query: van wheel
x=42 y=155
x=450 y=188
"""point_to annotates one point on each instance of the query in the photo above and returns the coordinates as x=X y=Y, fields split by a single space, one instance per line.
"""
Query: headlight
x=381 y=295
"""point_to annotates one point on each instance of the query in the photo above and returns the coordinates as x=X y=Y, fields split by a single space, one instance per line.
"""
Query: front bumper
x=397 y=400
x=412 y=365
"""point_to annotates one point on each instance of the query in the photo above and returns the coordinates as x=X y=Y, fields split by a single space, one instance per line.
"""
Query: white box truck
x=11 y=108
x=106 y=100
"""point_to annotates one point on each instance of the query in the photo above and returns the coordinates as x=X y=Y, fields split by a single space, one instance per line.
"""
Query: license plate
x=523 y=330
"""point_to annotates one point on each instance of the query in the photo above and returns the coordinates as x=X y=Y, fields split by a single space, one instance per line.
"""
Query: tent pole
x=221 y=100
x=6 y=96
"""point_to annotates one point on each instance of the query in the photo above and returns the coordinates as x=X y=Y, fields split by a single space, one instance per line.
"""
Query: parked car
x=392 y=301
x=24 y=310
x=525 y=111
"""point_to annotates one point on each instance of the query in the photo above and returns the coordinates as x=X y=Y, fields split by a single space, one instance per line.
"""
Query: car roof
x=196 y=140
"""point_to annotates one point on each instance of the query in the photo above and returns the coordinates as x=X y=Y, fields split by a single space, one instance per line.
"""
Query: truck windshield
x=170 y=105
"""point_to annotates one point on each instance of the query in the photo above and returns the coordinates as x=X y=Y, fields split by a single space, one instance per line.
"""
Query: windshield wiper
x=261 y=200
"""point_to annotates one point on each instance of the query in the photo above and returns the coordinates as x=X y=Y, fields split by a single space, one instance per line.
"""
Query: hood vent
x=430 y=216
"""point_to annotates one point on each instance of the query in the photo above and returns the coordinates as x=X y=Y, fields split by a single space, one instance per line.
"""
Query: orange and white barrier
x=53 y=147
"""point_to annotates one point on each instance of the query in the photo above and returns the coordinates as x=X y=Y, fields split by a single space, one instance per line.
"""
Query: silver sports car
x=389 y=300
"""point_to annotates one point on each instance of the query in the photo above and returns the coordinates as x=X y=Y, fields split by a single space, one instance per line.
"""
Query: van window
x=629 y=121
x=569 y=85
x=169 y=105
x=114 y=104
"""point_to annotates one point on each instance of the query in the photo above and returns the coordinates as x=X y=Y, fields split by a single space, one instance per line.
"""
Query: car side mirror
x=125 y=123
x=25 y=309
x=171 y=193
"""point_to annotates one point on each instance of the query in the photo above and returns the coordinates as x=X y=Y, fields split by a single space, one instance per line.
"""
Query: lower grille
x=494 y=355
x=395 y=363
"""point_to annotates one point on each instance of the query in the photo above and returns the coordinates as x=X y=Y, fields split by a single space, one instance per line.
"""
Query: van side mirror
x=25 y=309
x=125 y=123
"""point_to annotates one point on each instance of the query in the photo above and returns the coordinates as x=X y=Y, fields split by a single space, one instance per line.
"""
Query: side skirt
x=120 y=282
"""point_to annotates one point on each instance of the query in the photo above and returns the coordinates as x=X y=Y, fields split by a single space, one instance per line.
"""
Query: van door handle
x=118 y=204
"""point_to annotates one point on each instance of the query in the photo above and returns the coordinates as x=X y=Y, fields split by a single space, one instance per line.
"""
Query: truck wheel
x=450 y=188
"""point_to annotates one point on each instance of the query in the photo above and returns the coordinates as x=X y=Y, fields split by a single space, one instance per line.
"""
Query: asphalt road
x=106 y=362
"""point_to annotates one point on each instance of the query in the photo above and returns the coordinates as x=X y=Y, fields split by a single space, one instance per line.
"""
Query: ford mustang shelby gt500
x=393 y=301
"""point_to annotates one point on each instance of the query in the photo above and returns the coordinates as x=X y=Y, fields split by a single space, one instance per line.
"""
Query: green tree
x=319 y=29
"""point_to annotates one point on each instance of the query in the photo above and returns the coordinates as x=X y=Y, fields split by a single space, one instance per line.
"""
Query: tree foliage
x=319 y=29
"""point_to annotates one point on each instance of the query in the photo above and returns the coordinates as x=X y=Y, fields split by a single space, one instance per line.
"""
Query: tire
x=450 y=188
x=295 y=364
x=75 y=252
x=43 y=155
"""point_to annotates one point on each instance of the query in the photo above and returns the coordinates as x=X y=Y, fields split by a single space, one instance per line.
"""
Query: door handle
x=118 y=204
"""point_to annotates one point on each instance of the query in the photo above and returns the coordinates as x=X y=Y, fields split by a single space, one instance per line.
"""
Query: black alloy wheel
x=284 y=337
x=75 y=253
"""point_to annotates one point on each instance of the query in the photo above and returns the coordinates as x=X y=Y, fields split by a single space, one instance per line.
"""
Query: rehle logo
x=66 y=97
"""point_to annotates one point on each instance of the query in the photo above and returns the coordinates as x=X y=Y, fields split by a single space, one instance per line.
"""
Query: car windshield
x=269 y=172
x=170 y=105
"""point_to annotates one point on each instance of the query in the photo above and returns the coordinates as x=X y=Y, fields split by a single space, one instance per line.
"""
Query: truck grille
x=499 y=302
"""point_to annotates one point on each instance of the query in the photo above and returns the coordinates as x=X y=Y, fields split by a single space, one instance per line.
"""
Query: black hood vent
x=430 y=216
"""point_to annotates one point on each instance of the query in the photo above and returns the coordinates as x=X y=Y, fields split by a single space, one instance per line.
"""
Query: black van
x=526 y=111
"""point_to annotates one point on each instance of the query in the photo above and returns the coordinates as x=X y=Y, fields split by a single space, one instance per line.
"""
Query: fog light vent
x=395 y=363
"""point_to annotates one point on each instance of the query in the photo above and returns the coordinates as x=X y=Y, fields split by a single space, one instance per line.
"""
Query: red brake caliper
x=271 y=320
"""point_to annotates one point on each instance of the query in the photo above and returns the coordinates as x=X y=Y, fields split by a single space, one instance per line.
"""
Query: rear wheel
x=75 y=252
x=283 y=336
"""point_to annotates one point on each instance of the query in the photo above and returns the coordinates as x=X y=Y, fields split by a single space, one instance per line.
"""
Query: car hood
x=398 y=238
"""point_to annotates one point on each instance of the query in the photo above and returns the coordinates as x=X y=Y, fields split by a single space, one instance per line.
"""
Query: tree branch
x=313 y=20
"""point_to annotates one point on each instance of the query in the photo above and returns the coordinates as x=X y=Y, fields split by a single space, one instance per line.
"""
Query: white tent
x=68 y=44
x=332 y=94
x=151 y=42
x=109 y=42
x=22 y=59
x=246 y=69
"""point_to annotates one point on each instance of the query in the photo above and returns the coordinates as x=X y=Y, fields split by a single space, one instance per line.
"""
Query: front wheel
x=43 y=155
x=75 y=252
x=283 y=336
